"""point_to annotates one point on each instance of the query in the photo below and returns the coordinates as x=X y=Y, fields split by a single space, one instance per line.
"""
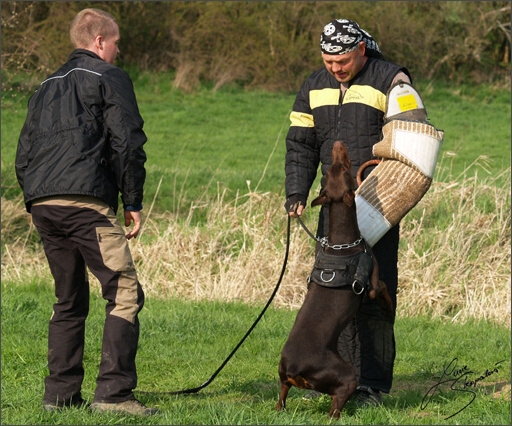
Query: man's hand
x=297 y=212
x=130 y=215
x=295 y=204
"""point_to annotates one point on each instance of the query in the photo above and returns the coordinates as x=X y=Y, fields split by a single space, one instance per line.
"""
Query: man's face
x=345 y=67
x=109 y=45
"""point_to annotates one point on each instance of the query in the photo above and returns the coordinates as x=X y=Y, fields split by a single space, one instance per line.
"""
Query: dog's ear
x=320 y=200
x=349 y=198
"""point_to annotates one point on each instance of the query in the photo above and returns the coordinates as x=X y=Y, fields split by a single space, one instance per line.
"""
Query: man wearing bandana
x=346 y=100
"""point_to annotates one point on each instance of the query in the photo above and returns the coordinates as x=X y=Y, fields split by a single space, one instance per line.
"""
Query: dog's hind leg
x=281 y=404
x=340 y=398
x=335 y=411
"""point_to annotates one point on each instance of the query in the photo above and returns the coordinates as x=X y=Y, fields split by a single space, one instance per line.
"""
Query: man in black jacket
x=346 y=100
x=82 y=145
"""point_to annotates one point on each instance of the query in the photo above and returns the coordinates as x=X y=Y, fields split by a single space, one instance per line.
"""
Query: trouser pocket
x=114 y=249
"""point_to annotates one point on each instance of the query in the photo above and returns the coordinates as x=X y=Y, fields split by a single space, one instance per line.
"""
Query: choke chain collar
x=325 y=243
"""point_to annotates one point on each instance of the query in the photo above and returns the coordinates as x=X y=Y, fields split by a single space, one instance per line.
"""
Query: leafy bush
x=269 y=45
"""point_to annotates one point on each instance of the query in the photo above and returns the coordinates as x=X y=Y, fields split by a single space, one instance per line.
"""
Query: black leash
x=307 y=230
x=198 y=388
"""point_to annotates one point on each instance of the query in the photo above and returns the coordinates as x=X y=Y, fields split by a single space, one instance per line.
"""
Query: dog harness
x=333 y=270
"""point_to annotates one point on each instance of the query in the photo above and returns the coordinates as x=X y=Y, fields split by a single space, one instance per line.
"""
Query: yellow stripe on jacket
x=325 y=97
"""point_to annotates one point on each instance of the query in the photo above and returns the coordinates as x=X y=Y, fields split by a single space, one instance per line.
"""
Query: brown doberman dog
x=345 y=269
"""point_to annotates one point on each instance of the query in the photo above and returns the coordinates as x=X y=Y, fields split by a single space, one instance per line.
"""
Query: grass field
x=184 y=342
x=212 y=248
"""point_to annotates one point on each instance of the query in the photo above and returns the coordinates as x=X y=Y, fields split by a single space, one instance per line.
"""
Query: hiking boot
x=367 y=397
x=73 y=402
x=132 y=406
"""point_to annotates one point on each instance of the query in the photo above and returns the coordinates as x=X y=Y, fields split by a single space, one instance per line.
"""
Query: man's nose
x=336 y=67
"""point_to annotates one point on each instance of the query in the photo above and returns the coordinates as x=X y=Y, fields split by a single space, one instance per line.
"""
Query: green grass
x=476 y=121
x=184 y=342
x=213 y=139
x=207 y=142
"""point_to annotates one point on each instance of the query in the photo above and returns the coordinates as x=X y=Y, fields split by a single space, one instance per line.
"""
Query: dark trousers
x=368 y=342
x=80 y=232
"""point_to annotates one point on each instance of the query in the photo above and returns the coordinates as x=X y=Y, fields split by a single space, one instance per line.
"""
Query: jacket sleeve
x=21 y=161
x=126 y=136
x=302 y=154
x=24 y=147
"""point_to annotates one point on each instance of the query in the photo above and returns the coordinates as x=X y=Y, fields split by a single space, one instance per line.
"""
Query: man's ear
x=362 y=47
x=98 y=42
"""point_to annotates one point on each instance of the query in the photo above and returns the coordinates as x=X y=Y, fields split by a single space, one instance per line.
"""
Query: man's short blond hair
x=88 y=24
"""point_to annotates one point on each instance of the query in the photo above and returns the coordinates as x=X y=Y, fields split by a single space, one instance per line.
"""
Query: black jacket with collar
x=83 y=135
x=321 y=116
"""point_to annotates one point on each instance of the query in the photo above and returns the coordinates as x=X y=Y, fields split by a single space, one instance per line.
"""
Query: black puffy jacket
x=320 y=116
x=83 y=135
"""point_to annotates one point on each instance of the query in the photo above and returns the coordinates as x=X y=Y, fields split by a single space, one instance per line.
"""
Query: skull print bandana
x=343 y=36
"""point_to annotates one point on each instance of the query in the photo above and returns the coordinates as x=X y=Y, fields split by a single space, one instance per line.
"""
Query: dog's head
x=339 y=184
